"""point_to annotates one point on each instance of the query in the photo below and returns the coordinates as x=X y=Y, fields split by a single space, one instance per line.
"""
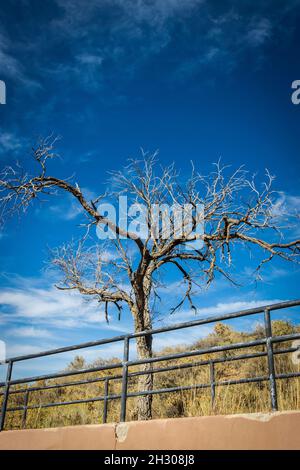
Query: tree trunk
x=145 y=381
x=142 y=319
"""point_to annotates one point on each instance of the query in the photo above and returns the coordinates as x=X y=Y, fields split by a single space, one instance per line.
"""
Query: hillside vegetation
x=229 y=399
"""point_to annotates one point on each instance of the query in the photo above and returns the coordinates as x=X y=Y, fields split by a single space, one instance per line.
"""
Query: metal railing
x=267 y=342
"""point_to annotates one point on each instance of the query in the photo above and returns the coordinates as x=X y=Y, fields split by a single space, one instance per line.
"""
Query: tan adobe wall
x=279 y=430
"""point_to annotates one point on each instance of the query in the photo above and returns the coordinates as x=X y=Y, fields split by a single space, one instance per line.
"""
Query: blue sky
x=196 y=79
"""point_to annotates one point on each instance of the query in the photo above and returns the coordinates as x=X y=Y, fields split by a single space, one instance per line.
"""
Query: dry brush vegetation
x=229 y=399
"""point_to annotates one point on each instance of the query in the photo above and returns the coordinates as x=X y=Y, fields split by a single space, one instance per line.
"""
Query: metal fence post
x=106 y=383
x=25 y=409
x=271 y=366
x=212 y=383
x=124 y=380
x=5 y=396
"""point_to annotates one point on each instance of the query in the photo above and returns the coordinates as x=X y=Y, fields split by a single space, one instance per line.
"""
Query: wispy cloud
x=222 y=42
x=33 y=308
x=147 y=28
x=69 y=209
x=14 y=350
x=49 y=306
x=220 y=308
x=226 y=307
x=126 y=12
x=286 y=211
x=43 y=315
x=11 y=65
x=10 y=142
x=29 y=332
x=286 y=205
x=260 y=30
x=107 y=43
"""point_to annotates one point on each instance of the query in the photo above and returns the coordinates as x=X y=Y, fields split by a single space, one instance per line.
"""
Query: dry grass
x=229 y=399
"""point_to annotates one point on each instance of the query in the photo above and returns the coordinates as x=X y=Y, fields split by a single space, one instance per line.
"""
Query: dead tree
x=127 y=269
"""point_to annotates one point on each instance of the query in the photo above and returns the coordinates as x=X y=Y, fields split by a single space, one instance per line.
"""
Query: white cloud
x=141 y=25
x=90 y=59
x=227 y=307
x=33 y=311
x=260 y=31
x=29 y=332
x=221 y=308
x=270 y=273
x=47 y=311
x=70 y=209
x=14 y=350
x=106 y=352
x=10 y=142
x=286 y=213
x=286 y=205
x=153 y=12
x=67 y=211
x=114 y=38
x=50 y=306
x=11 y=67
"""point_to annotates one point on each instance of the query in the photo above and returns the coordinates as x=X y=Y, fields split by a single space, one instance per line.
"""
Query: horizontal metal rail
x=267 y=343
x=63 y=374
x=157 y=391
x=153 y=371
